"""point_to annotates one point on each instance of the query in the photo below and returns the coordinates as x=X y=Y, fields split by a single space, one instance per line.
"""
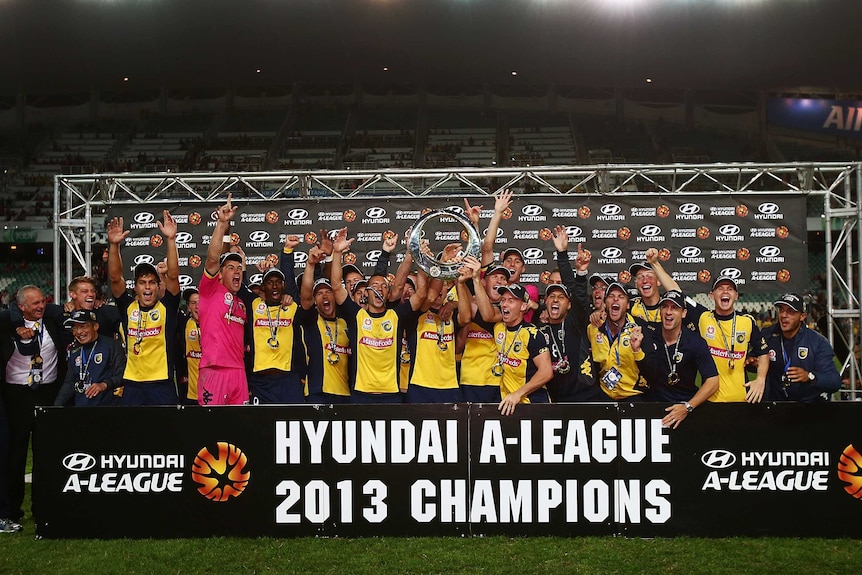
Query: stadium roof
x=55 y=46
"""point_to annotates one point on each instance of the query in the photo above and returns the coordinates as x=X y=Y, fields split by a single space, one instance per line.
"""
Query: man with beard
x=150 y=321
x=222 y=378
x=801 y=361
x=613 y=347
x=96 y=364
x=478 y=385
x=567 y=328
x=375 y=332
x=674 y=355
x=733 y=338
x=325 y=336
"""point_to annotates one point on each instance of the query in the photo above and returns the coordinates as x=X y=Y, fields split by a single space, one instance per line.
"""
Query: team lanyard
x=730 y=349
x=672 y=360
x=559 y=350
x=647 y=315
x=497 y=368
x=332 y=357
x=272 y=342
x=84 y=370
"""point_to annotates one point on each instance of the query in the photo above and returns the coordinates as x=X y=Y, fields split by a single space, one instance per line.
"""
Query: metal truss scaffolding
x=82 y=200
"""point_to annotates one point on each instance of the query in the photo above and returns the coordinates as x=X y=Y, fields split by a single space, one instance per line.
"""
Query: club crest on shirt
x=740 y=337
x=366 y=324
x=501 y=337
x=154 y=315
x=193 y=334
x=386 y=325
x=97 y=358
x=517 y=347
x=600 y=338
x=802 y=352
x=228 y=298
x=261 y=307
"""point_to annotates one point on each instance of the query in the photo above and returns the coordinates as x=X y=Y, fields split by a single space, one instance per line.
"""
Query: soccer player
x=801 y=361
x=191 y=347
x=82 y=295
x=674 y=356
x=150 y=321
x=96 y=364
x=375 y=333
x=647 y=284
x=222 y=379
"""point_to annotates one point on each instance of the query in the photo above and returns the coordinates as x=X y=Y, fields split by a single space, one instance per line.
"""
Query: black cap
x=557 y=287
x=675 y=296
x=616 y=286
x=144 y=269
x=596 y=278
x=791 y=300
x=410 y=281
x=321 y=282
x=189 y=292
x=721 y=279
x=636 y=267
x=229 y=257
x=633 y=291
x=350 y=268
x=516 y=290
x=359 y=285
x=81 y=316
x=272 y=272
x=498 y=269
x=511 y=251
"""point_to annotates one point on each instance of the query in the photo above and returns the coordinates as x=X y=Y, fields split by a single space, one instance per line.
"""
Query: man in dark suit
x=33 y=364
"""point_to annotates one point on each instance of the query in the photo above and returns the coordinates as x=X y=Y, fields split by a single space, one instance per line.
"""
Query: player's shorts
x=368 y=398
x=137 y=393
x=481 y=393
x=222 y=386
x=539 y=396
x=276 y=387
x=421 y=394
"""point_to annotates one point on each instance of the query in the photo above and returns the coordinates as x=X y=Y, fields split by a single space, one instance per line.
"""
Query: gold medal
x=272 y=343
x=442 y=345
x=137 y=348
x=497 y=370
x=332 y=358
x=405 y=356
x=673 y=378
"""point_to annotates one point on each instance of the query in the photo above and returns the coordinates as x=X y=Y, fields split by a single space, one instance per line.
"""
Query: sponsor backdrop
x=599 y=469
x=759 y=240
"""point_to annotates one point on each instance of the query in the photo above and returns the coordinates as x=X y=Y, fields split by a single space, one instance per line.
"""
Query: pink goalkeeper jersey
x=222 y=325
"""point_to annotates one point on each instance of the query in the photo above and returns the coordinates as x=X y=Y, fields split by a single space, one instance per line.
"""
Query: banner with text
x=450 y=470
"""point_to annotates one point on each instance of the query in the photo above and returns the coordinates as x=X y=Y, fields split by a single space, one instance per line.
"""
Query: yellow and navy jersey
x=376 y=341
x=150 y=337
x=516 y=347
x=648 y=313
x=432 y=347
x=616 y=362
x=192 y=347
x=329 y=354
x=480 y=353
x=731 y=339
x=275 y=337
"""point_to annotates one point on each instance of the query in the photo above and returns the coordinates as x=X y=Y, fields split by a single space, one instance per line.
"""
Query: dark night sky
x=49 y=46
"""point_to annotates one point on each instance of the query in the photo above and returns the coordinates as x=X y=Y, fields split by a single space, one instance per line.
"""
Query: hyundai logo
x=256 y=279
x=690 y=252
x=373 y=255
x=300 y=257
x=79 y=462
x=375 y=213
x=499 y=232
x=732 y=273
x=214 y=216
x=186 y=281
x=297 y=214
x=611 y=210
x=144 y=259
x=728 y=230
x=184 y=238
x=718 y=459
x=651 y=231
x=770 y=251
x=612 y=253
x=531 y=210
x=689 y=208
x=574 y=232
x=768 y=208
x=455 y=210
x=144 y=218
x=533 y=253
x=258 y=236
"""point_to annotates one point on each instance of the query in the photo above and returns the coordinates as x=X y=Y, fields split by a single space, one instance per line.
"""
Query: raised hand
x=116 y=234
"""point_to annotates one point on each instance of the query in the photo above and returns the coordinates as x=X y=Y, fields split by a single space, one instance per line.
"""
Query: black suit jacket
x=53 y=322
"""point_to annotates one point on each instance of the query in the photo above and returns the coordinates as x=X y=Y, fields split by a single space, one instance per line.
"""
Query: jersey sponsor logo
x=367 y=324
x=434 y=336
x=512 y=362
x=264 y=322
x=722 y=353
x=192 y=354
x=228 y=298
x=341 y=349
x=148 y=332
x=376 y=342
x=479 y=334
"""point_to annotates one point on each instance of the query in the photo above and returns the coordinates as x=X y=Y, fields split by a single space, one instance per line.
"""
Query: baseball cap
x=321 y=282
x=616 y=286
x=597 y=277
x=347 y=268
x=791 y=300
x=498 y=269
x=674 y=296
x=509 y=251
x=143 y=269
x=721 y=279
x=229 y=257
x=557 y=287
x=516 y=290
x=81 y=316
x=359 y=285
x=638 y=266
x=410 y=281
x=272 y=272
x=632 y=291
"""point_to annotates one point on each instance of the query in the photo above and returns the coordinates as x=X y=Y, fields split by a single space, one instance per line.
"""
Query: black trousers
x=21 y=403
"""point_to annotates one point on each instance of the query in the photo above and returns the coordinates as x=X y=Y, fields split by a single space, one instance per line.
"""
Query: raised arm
x=664 y=279
x=172 y=274
x=502 y=200
x=339 y=245
x=315 y=256
x=225 y=215
x=116 y=236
